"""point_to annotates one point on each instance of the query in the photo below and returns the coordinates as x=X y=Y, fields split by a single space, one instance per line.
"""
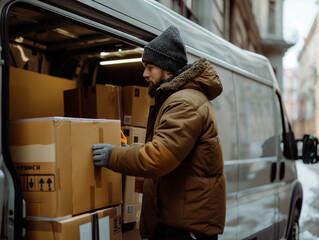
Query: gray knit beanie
x=166 y=51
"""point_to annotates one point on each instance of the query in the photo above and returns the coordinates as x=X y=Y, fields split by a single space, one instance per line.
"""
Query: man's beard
x=152 y=88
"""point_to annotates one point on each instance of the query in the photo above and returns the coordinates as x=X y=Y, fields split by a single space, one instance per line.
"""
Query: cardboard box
x=55 y=163
x=132 y=200
x=139 y=183
x=132 y=193
x=72 y=103
x=136 y=104
x=133 y=234
x=100 y=101
x=34 y=95
x=134 y=134
x=103 y=224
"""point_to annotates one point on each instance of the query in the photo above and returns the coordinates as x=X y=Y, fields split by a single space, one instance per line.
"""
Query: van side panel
x=225 y=109
x=257 y=158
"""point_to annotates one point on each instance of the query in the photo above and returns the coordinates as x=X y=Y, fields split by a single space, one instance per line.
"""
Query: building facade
x=232 y=20
x=254 y=25
x=290 y=98
x=308 y=81
x=269 y=19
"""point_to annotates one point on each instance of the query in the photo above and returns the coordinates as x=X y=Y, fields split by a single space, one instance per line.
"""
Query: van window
x=256 y=131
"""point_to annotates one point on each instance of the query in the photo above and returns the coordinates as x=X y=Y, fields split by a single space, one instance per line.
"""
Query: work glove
x=102 y=154
x=124 y=145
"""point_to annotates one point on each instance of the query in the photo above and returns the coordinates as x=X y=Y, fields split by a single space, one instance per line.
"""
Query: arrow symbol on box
x=41 y=183
x=49 y=181
x=31 y=184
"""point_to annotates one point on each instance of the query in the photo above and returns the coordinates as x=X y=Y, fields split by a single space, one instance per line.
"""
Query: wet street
x=309 y=219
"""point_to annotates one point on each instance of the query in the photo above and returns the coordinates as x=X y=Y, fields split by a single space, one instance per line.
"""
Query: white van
x=65 y=38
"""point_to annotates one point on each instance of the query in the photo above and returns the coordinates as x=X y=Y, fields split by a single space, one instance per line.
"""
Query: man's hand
x=102 y=154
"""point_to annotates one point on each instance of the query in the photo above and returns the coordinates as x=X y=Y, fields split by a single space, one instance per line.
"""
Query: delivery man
x=184 y=195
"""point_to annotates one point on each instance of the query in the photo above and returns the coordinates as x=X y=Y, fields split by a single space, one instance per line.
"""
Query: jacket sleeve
x=127 y=160
x=174 y=138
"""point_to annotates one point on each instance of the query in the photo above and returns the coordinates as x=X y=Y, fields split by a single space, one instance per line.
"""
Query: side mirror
x=309 y=149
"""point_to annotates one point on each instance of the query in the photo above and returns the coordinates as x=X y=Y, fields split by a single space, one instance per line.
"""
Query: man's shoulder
x=188 y=96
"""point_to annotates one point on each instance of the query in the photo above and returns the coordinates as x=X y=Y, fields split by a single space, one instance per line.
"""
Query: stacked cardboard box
x=36 y=95
x=54 y=160
x=100 y=101
x=132 y=201
x=130 y=104
x=133 y=234
x=136 y=104
x=132 y=194
x=101 y=224
x=134 y=134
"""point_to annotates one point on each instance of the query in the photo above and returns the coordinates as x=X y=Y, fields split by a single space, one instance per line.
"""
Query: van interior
x=53 y=46
x=49 y=54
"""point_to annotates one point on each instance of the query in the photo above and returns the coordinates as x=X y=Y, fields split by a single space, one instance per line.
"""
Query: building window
x=184 y=7
x=272 y=16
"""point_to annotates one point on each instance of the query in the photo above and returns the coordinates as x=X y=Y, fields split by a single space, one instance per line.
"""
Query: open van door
x=12 y=205
x=10 y=218
x=1 y=193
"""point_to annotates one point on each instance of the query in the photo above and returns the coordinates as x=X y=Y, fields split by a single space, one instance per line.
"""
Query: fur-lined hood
x=199 y=76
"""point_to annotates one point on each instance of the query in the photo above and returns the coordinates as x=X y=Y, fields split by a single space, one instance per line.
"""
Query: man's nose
x=146 y=74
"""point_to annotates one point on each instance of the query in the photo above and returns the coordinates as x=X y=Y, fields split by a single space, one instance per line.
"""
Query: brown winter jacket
x=182 y=160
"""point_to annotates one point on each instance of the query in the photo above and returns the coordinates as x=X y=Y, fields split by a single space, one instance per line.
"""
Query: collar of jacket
x=200 y=76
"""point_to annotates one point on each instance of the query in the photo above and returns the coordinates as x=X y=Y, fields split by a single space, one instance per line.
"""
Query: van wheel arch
x=295 y=209
x=295 y=229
